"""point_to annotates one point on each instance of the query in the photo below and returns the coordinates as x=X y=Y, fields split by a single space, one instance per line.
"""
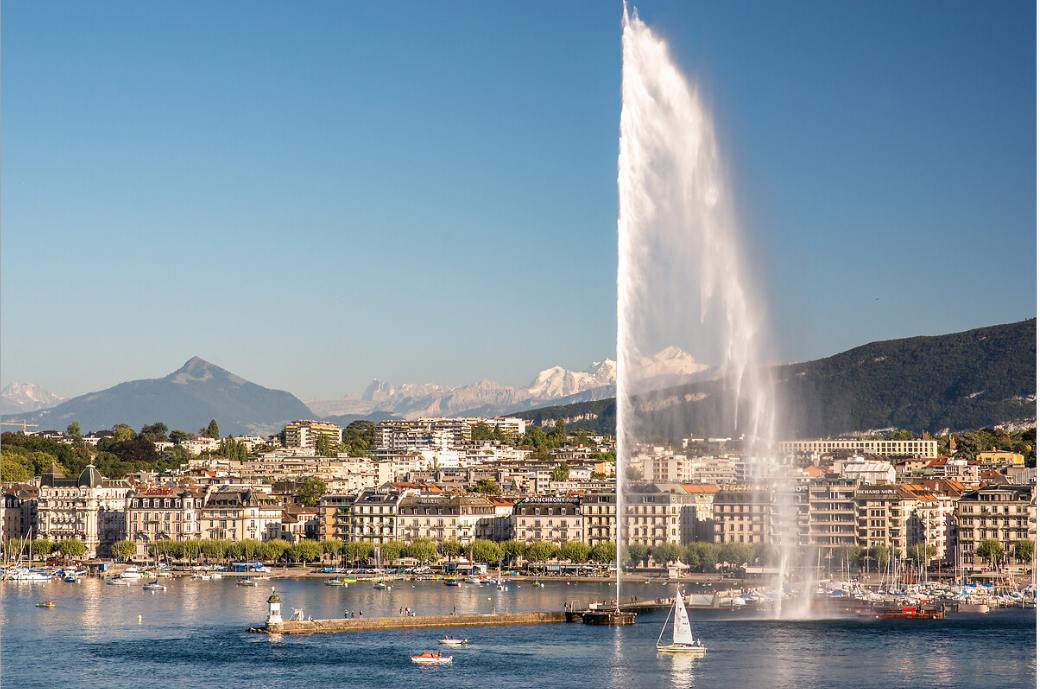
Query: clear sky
x=312 y=195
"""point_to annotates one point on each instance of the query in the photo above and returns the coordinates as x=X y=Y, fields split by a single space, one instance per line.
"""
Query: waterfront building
x=90 y=508
x=306 y=433
x=154 y=513
x=742 y=515
x=445 y=518
x=883 y=517
x=422 y=434
x=659 y=513
x=547 y=518
x=703 y=494
x=877 y=447
x=832 y=513
x=374 y=514
x=300 y=522
x=20 y=511
x=857 y=468
x=334 y=510
x=240 y=514
x=599 y=517
x=503 y=525
x=1002 y=513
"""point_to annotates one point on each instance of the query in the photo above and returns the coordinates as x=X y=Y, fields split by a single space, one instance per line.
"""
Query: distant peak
x=197 y=369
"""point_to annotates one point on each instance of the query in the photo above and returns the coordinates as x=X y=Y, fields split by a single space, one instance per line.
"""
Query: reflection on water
x=194 y=635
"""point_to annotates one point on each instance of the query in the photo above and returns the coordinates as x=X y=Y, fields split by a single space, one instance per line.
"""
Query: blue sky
x=312 y=195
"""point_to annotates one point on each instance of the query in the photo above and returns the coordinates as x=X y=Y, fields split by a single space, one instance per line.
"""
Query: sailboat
x=682 y=635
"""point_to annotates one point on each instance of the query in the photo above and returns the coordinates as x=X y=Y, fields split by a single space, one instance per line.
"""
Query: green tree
x=450 y=549
x=604 y=552
x=560 y=433
x=12 y=548
x=42 y=547
x=707 y=555
x=487 y=486
x=480 y=432
x=921 y=552
x=391 y=551
x=307 y=550
x=691 y=556
x=539 y=551
x=331 y=547
x=990 y=549
x=879 y=554
x=323 y=445
x=487 y=551
x=666 y=552
x=575 y=551
x=638 y=553
x=274 y=549
x=124 y=549
x=191 y=549
x=561 y=472
x=736 y=554
x=633 y=473
x=423 y=549
x=123 y=433
x=1024 y=550
x=71 y=547
x=211 y=431
x=13 y=469
x=179 y=437
x=74 y=430
x=309 y=492
x=156 y=432
x=513 y=550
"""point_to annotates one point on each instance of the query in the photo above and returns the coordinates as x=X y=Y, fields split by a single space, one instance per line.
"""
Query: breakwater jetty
x=415 y=622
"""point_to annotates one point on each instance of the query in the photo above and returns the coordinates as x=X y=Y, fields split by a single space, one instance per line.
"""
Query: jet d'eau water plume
x=681 y=278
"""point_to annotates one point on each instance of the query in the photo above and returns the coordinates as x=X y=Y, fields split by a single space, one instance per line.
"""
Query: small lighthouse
x=274 y=610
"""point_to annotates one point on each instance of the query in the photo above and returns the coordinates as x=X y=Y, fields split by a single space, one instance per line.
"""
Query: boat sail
x=682 y=634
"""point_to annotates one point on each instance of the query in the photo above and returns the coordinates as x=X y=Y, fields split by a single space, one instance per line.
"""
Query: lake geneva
x=193 y=635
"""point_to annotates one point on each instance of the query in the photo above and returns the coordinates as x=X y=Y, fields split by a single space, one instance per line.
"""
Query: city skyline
x=316 y=197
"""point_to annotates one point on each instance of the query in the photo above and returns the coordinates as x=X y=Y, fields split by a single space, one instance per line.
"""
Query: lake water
x=193 y=635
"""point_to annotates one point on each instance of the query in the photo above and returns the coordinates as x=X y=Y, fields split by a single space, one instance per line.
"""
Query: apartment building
x=334 y=512
x=90 y=508
x=374 y=515
x=1002 y=513
x=599 y=517
x=154 y=514
x=742 y=515
x=306 y=433
x=660 y=513
x=883 y=517
x=832 y=513
x=876 y=447
x=233 y=514
x=545 y=518
x=446 y=518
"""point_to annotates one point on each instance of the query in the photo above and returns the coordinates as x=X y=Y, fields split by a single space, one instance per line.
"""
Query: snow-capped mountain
x=671 y=366
x=18 y=398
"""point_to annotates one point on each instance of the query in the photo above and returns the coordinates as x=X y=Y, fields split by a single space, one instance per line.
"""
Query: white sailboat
x=682 y=635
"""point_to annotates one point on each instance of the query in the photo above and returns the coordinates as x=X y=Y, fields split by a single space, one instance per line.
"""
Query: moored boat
x=452 y=641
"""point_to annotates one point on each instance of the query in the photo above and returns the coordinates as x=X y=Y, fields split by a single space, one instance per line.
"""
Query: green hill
x=962 y=381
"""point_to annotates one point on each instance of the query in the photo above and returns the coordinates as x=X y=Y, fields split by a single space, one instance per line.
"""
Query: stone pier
x=427 y=621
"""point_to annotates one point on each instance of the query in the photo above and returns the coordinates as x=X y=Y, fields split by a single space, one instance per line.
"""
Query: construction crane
x=24 y=424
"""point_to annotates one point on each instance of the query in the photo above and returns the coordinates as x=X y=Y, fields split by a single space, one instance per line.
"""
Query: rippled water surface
x=193 y=635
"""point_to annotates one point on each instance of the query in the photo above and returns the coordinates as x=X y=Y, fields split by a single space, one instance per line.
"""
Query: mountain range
x=962 y=381
x=671 y=366
x=25 y=397
x=187 y=400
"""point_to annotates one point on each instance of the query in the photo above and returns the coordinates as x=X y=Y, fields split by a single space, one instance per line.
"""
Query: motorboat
x=451 y=582
x=682 y=635
x=335 y=582
x=537 y=584
x=452 y=641
x=247 y=582
x=432 y=658
x=203 y=576
x=381 y=586
x=117 y=581
x=154 y=586
x=131 y=573
x=26 y=574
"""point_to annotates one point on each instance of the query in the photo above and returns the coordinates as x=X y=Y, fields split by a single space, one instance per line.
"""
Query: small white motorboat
x=452 y=641
x=154 y=586
x=431 y=658
x=131 y=573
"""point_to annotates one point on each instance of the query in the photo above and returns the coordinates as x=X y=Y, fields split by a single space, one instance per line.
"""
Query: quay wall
x=418 y=622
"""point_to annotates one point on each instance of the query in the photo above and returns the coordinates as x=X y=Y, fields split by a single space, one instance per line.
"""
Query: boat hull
x=694 y=651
